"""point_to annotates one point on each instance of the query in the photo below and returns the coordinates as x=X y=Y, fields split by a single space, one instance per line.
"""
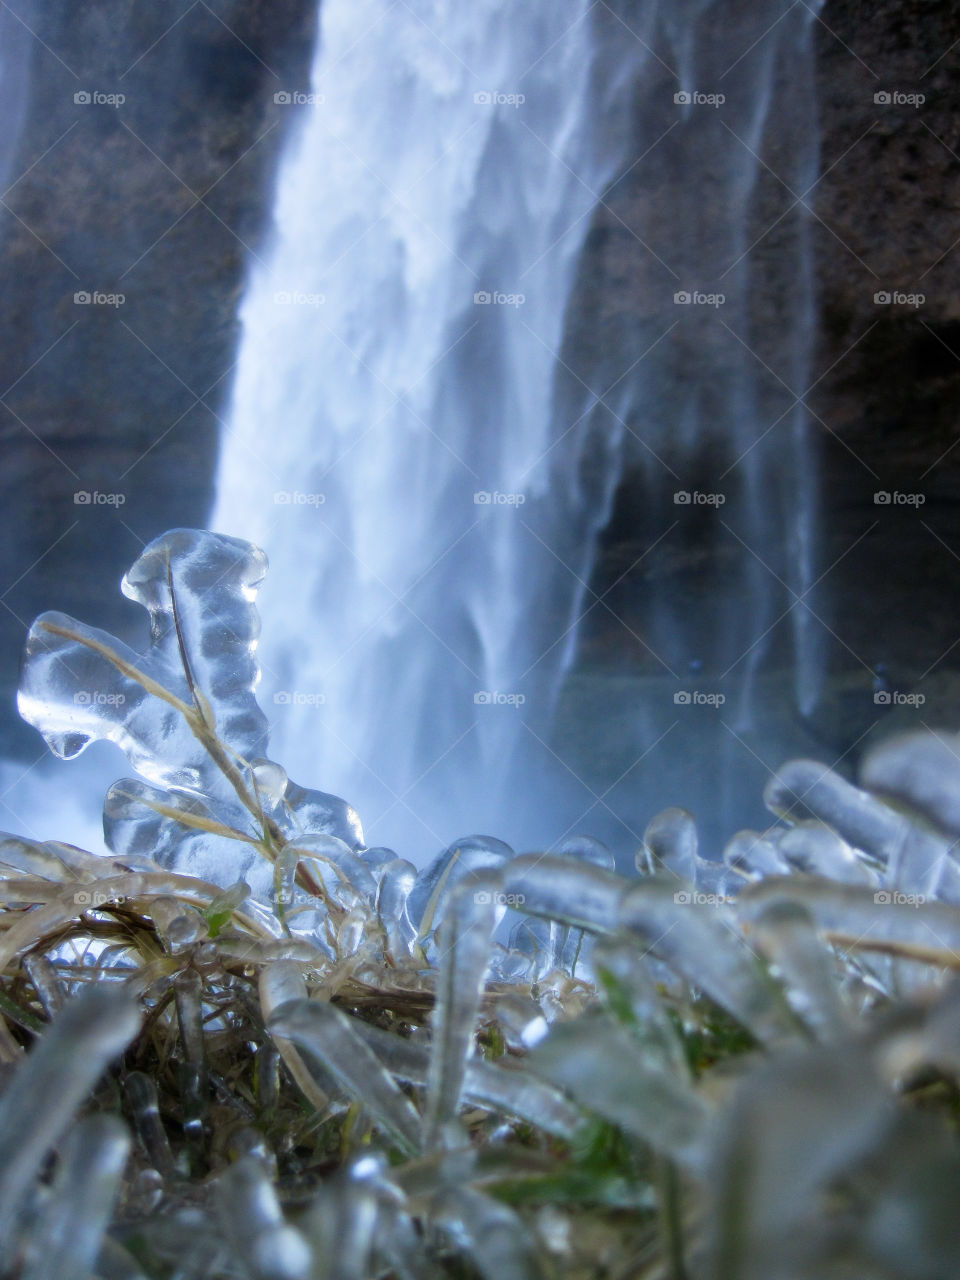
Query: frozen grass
x=246 y=1045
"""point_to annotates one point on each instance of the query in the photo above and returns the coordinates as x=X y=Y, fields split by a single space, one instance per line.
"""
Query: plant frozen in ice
x=328 y=1064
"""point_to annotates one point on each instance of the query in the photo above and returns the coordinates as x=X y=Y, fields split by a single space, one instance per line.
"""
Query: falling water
x=413 y=443
x=393 y=442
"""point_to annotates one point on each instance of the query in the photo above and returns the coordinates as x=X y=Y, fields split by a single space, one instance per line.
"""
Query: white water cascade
x=398 y=440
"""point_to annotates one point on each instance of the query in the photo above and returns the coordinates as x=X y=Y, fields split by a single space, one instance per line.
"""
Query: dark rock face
x=885 y=390
x=162 y=199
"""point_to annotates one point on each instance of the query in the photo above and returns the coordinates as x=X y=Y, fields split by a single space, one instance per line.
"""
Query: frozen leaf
x=321 y=1030
x=463 y=943
x=79 y=684
x=51 y=1083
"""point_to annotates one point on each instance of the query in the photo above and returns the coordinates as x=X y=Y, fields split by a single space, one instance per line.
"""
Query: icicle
x=465 y=857
x=753 y=856
x=818 y=850
x=463 y=942
x=396 y=884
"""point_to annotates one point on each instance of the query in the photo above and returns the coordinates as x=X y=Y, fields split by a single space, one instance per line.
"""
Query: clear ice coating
x=185 y=713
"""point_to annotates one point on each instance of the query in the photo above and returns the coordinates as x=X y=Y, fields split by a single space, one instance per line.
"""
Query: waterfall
x=417 y=448
x=393 y=441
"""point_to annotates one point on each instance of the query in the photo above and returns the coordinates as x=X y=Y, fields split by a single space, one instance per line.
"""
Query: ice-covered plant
x=246 y=1044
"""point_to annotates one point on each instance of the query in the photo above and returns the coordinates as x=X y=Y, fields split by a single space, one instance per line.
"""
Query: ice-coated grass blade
x=703 y=944
x=321 y=1030
x=489 y=1085
x=922 y=771
x=67 y=1240
x=603 y=1067
x=863 y=919
x=253 y=1222
x=561 y=888
x=463 y=944
x=51 y=1083
x=494 y=1236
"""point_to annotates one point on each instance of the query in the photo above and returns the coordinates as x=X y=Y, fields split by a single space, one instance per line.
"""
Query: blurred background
x=590 y=374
